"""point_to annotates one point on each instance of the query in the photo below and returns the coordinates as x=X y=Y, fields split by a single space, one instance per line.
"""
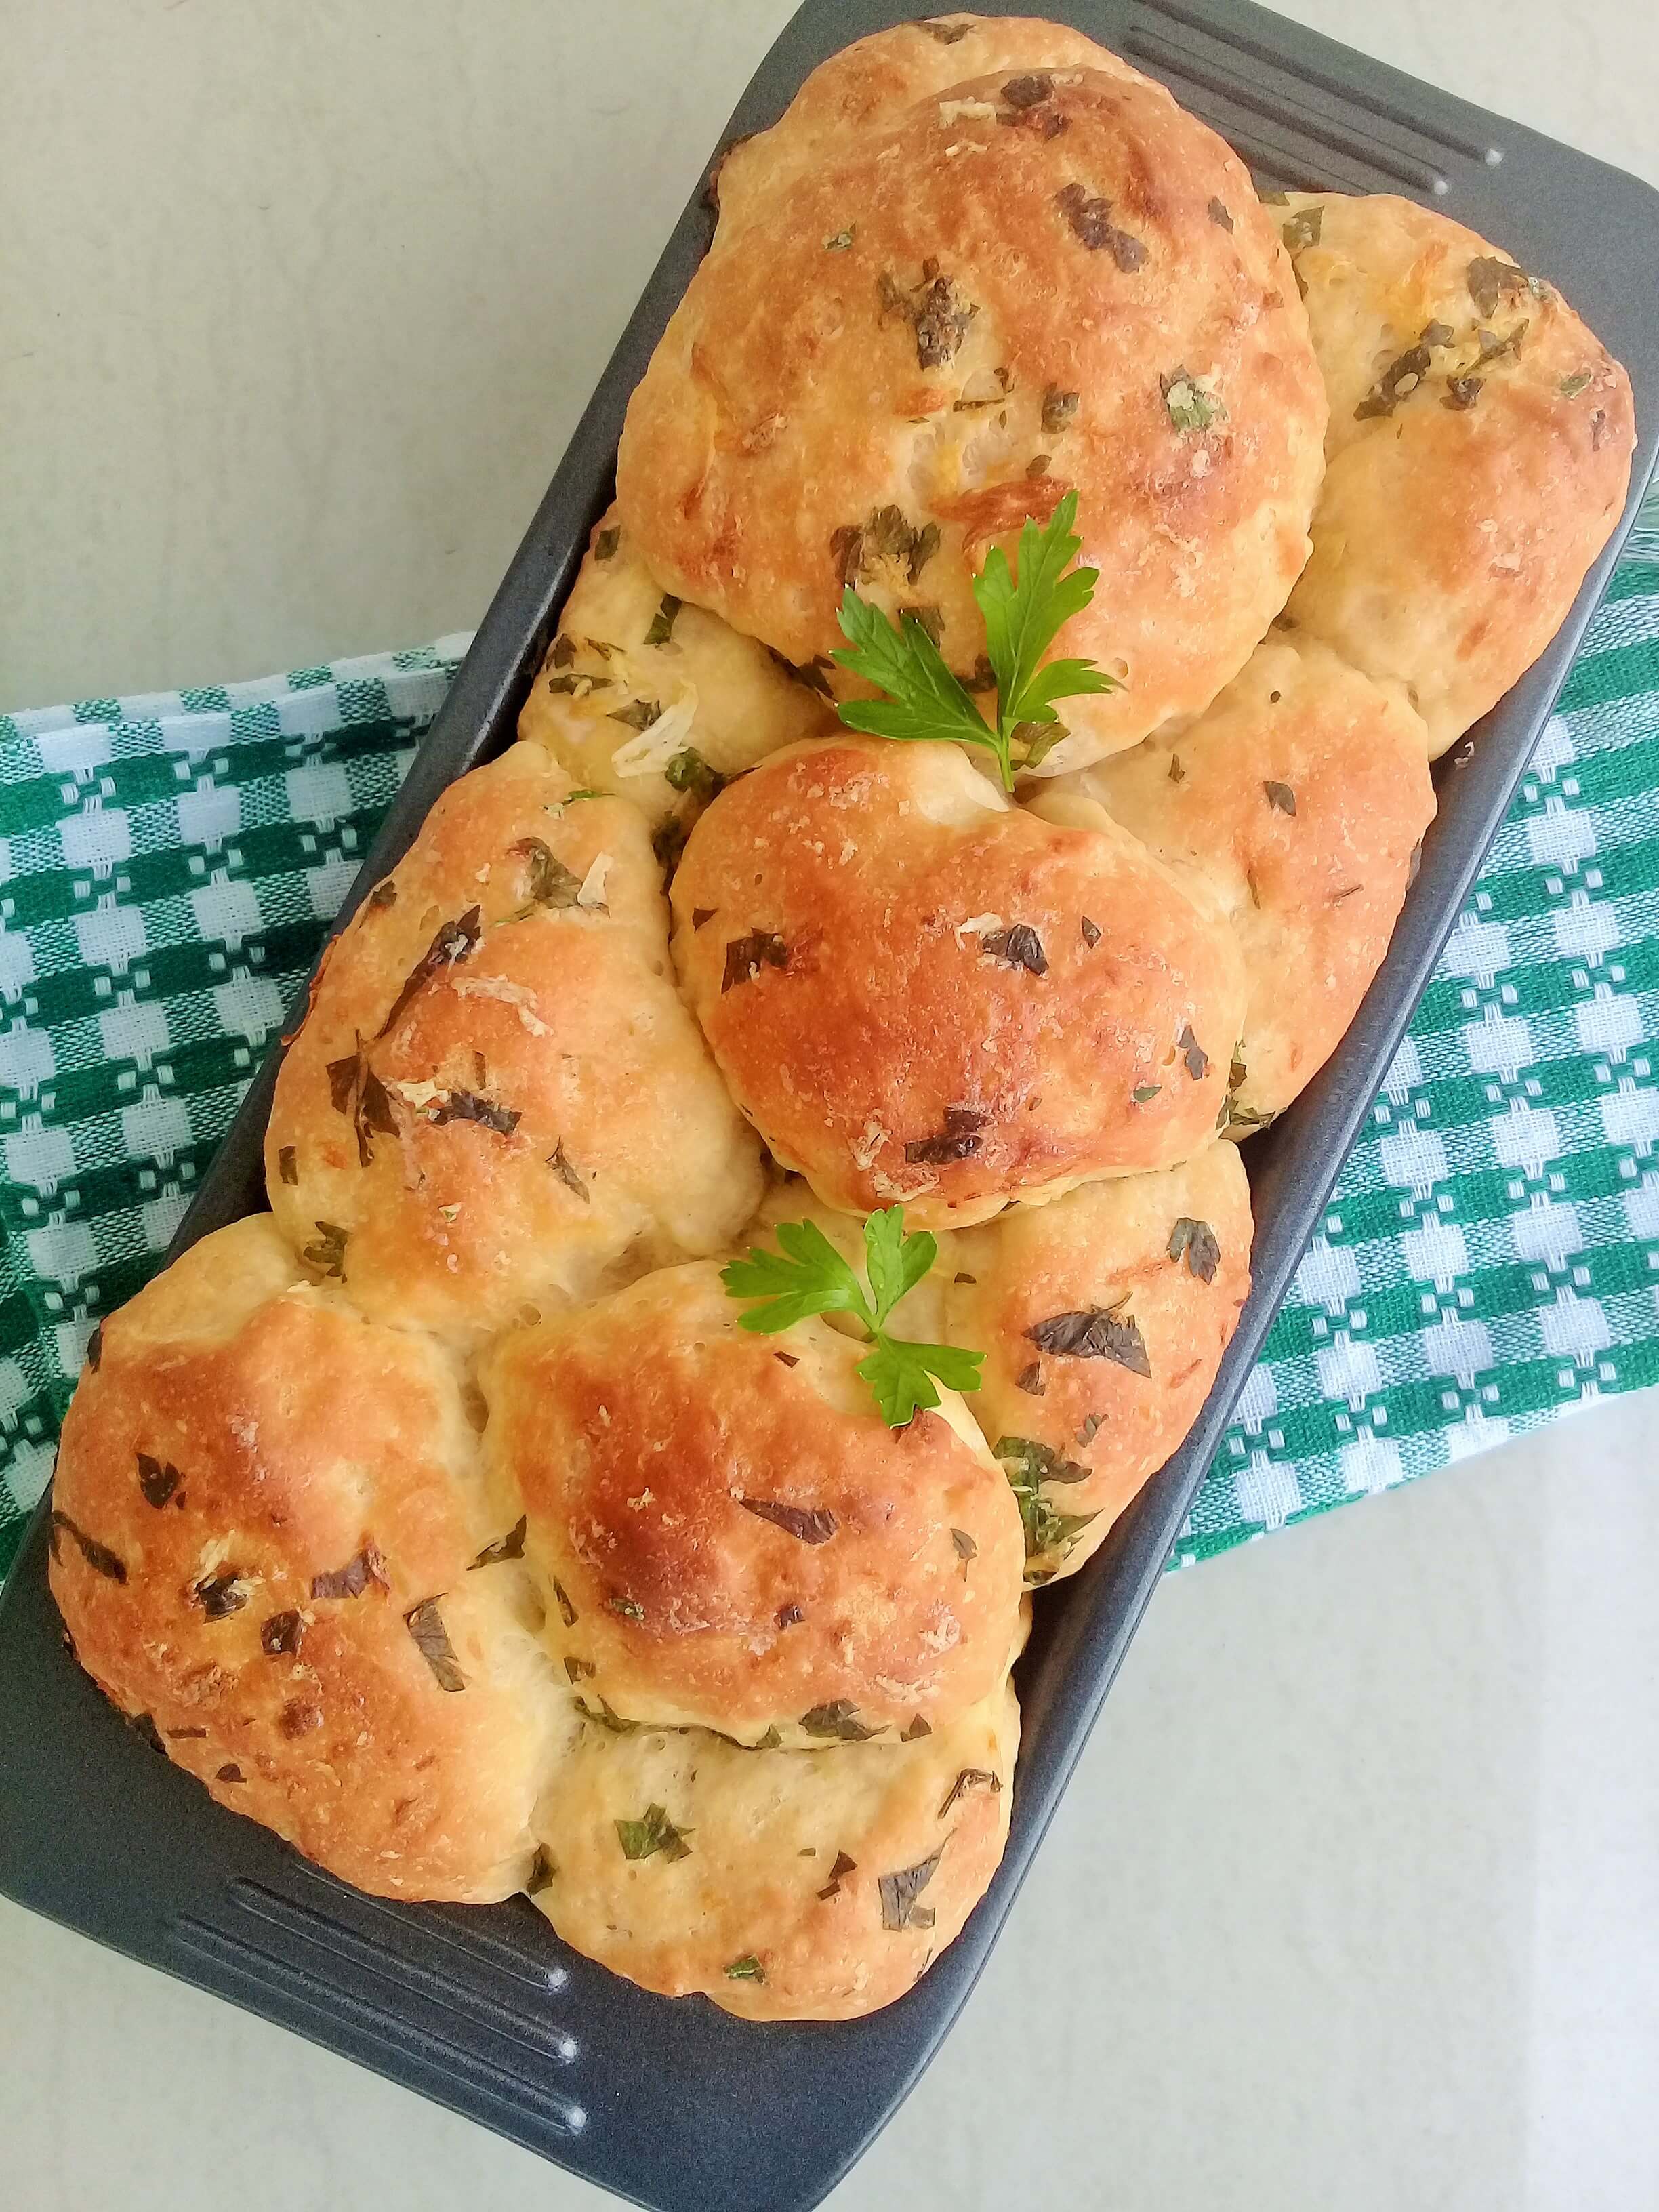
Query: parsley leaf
x=1024 y=613
x=1029 y=1465
x=900 y=1372
x=807 y=1275
x=655 y=1832
x=925 y=701
x=896 y=1262
x=1023 y=617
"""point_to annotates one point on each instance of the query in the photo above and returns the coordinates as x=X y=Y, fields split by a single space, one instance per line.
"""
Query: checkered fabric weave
x=1491 y=1257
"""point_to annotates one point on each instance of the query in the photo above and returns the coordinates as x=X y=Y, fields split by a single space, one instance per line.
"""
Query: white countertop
x=1354 y=1903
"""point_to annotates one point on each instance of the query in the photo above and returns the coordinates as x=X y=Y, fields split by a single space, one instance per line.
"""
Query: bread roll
x=1033 y=284
x=1300 y=797
x=658 y=703
x=729 y=1536
x=876 y=80
x=1478 y=456
x=267 y=1524
x=1102 y=1318
x=783 y=1885
x=919 y=992
x=497 y=1102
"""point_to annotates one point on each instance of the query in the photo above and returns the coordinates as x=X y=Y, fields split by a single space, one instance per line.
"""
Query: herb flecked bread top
x=1478 y=456
x=977 y=306
x=287 y=1507
x=1299 y=798
x=614 y=1144
x=742 y=1546
x=919 y=990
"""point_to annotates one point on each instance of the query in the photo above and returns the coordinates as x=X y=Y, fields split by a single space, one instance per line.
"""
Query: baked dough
x=728 y=1533
x=658 y=703
x=1478 y=456
x=876 y=80
x=1301 y=797
x=1035 y=283
x=1102 y=1318
x=265 y=1518
x=497 y=1102
x=449 y=1521
x=787 y=1885
x=919 y=992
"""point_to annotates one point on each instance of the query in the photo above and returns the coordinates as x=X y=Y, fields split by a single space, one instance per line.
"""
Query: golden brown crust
x=872 y=82
x=934 y=333
x=538 y=1118
x=1300 y=796
x=1165 y=1260
x=762 y=1885
x=737 y=1538
x=208 y=1479
x=1470 y=484
x=844 y=922
x=642 y=697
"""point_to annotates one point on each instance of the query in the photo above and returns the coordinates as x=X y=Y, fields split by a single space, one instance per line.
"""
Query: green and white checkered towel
x=1491 y=1257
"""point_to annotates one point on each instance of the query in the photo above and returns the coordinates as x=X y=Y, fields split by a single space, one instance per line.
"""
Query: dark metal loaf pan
x=676 y=2104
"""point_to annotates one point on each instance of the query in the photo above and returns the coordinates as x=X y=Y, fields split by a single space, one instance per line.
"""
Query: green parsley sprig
x=1023 y=614
x=807 y=1275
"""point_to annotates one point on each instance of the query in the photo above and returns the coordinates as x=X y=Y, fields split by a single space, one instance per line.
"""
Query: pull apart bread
x=466 y=1519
